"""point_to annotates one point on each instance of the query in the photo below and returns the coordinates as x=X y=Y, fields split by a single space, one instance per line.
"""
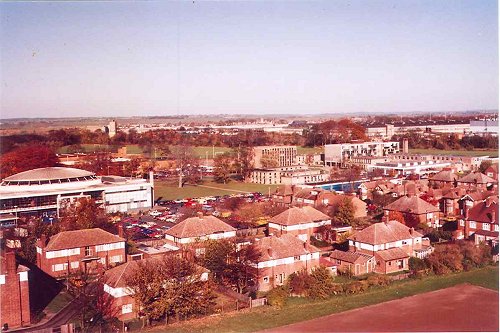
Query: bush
x=278 y=296
x=353 y=287
x=299 y=282
x=378 y=280
x=416 y=264
x=321 y=283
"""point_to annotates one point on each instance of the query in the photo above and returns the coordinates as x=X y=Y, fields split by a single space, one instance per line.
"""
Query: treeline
x=333 y=131
x=448 y=141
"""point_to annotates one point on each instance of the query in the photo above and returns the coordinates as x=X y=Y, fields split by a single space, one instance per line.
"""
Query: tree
x=484 y=166
x=321 y=283
x=84 y=213
x=184 y=161
x=96 y=307
x=27 y=158
x=396 y=216
x=222 y=168
x=344 y=213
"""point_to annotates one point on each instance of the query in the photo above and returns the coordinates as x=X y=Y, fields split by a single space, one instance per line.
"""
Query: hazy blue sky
x=166 y=58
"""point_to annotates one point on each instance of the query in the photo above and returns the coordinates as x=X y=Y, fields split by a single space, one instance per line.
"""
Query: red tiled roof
x=81 y=238
x=284 y=246
x=198 y=227
x=484 y=211
x=476 y=178
x=444 y=176
x=412 y=204
x=381 y=233
x=392 y=254
x=351 y=257
x=296 y=215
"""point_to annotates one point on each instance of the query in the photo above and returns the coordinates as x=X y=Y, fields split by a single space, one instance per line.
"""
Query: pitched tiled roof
x=478 y=195
x=392 y=254
x=284 y=246
x=80 y=238
x=350 y=256
x=381 y=233
x=413 y=204
x=116 y=277
x=454 y=193
x=284 y=190
x=198 y=227
x=444 y=176
x=485 y=211
x=476 y=178
x=315 y=214
x=296 y=215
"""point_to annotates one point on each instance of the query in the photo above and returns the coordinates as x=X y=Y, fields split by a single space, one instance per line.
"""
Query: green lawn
x=300 y=309
x=59 y=302
x=169 y=190
x=90 y=148
x=491 y=153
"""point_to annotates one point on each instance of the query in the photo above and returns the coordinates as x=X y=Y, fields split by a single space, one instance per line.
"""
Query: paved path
x=461 y=308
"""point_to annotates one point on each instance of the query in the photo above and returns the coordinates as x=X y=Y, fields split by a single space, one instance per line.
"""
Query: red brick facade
x=14 y=292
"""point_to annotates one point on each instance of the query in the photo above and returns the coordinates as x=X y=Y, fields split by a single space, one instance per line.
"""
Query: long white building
x=340 y=153
x=47 y=190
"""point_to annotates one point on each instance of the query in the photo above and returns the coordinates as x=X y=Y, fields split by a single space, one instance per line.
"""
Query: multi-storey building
x=480 y=222
x=274 y=156
x=71 y=251
x=342 y=153
x=297 y=175
x=415 y=210
x=282 y=256
x=48 y=190
x=14 y=292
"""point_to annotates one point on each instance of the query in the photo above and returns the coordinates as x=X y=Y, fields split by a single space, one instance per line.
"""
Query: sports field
x=491 y=153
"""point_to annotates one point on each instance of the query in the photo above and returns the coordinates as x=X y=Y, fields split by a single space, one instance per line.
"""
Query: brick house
x=391 y=243
x=356 y=262
x=14 y=291
x=116 y=286
x=449 y=203
x=480 y=222
x=302 y=222
x=415 y=210
x=443 y=178
x=70 y=251
x=477 y=180
x=492 y=171
x=194 y=230
x=282 y=256
x=283 y=195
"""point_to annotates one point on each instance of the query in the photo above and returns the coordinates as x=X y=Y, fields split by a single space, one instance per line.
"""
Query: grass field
x=169 y=190
x=300 y=309
x=491 y=153
x=90 y=148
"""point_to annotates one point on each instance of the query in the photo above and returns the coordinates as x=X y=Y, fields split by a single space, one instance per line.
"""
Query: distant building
x=480 y=222
x=483 y=127
x=71 y=251
x=14 y=291
x=416 y=210
x=341 y=153
x=111 y=128
x=48 y=190
x=297 y=175
x=302 y=222
x=274 y=156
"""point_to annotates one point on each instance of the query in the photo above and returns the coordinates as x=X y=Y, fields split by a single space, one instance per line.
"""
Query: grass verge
x=300 y=309
x=491 y=153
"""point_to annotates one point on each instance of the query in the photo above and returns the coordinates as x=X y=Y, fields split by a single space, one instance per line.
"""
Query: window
x=462 y=223
x=486 y=226
x=75 y=264
x=339 y=261
x=126 y=308
x=88 y=251
x=296 y=258
x=472 y=225
x=59 y=267
x=116 y=258
x=266 y=279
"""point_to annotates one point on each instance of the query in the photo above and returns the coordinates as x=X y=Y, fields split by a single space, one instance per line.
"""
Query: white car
x=155 y=213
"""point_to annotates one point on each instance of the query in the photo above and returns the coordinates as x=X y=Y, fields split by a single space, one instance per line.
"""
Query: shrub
x=445 y=259
x=299 y=282
x=353 y=287
x=417 y=264
x=378 y=280
x=321 y=283
x=278 y=296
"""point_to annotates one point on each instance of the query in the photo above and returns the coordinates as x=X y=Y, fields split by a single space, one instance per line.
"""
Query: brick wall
x=14 y=294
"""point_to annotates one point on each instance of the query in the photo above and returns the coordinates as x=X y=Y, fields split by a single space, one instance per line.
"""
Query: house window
x=472 y=225
x=390 y=263
x=59 y=267
x=266 y=279
x=296 y=258
x=126 y=308
x=339 y=261
x=486 y=226
x=462 y=223
x=75 y=264
x=88 y=251
x=116 y=258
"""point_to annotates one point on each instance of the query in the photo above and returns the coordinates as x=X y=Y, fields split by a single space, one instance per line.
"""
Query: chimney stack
x=120 y=231
x=411 y=231
x=493 y=216
x=270 y=252
x=10 y=261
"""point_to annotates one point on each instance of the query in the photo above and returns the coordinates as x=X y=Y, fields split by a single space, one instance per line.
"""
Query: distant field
x=491 y=153
x=90 y=148
x=169 y=190
x=309 y=150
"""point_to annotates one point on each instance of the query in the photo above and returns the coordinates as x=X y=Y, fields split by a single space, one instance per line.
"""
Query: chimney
x=270 y=252
x=151 y=177
x=405 y=146
x=411 y=231
x=493 y=216
x=200 y=215
x=10 y=261
x=466 y=211
x=120 y=231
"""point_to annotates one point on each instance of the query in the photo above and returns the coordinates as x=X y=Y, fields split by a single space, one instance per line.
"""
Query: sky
x=78 y=59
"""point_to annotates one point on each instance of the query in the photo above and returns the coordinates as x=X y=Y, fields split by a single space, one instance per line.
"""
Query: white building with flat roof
x=47 y=190
x=341 y=153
